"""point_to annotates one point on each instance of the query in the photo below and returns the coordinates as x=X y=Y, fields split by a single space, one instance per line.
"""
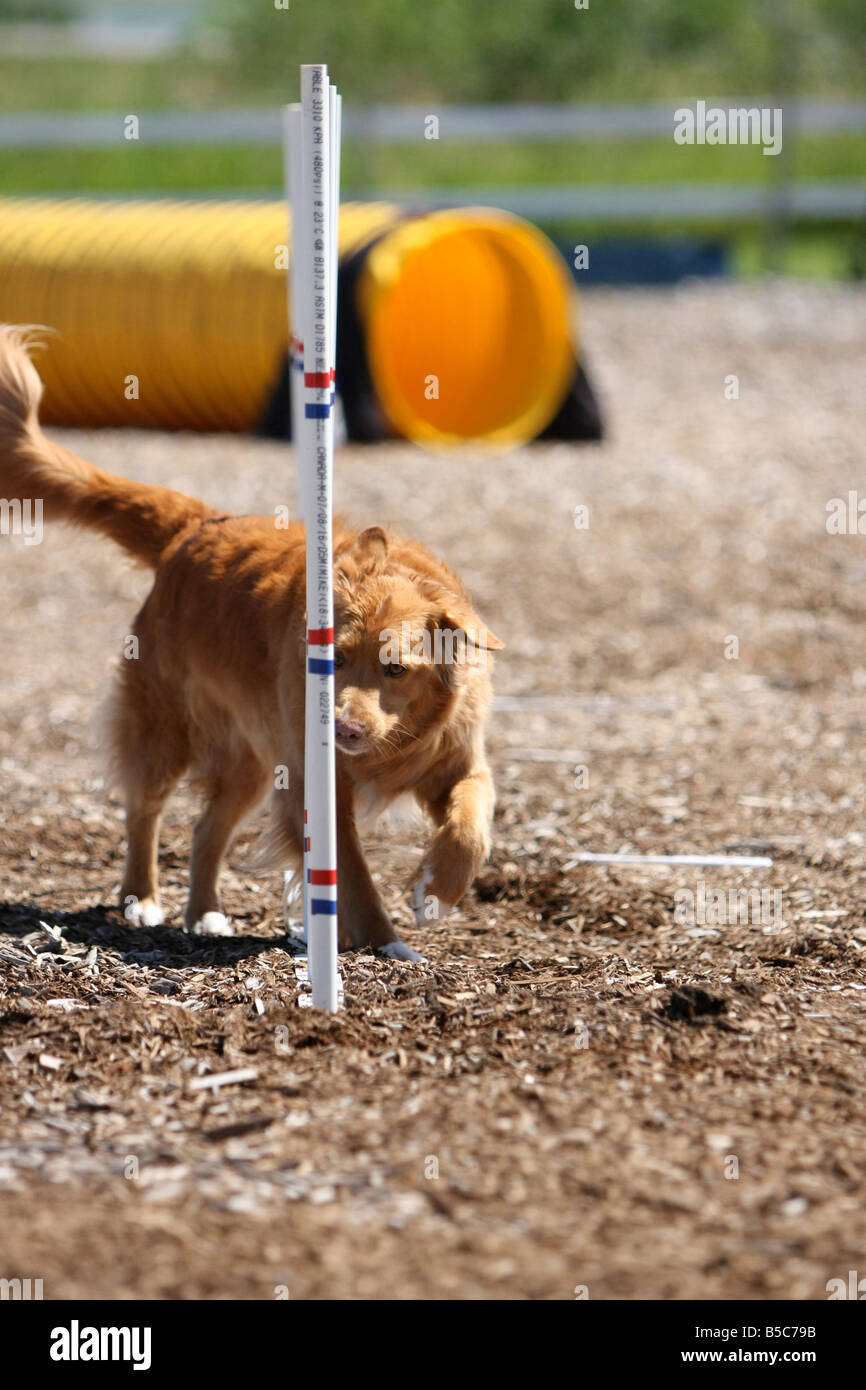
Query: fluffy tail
x=140 y=518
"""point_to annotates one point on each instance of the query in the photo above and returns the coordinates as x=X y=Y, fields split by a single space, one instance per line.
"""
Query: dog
x=217 y=686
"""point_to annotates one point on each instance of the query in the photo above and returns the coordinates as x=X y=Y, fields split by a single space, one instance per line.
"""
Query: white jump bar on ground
x=734 y=861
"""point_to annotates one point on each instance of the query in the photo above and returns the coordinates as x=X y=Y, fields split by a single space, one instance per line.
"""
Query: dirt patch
x=595 y=1079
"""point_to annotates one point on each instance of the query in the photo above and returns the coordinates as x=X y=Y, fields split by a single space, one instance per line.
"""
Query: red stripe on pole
x=323 y=875
x=320 y=636
x=322 y=379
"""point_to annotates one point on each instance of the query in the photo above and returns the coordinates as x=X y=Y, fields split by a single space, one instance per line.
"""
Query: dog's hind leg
x=240 y=783
x=151 y=752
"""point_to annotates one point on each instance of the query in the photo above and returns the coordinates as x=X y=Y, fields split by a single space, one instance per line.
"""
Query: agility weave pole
x=312 y=152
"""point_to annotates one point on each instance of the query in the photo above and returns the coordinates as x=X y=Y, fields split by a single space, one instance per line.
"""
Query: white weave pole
x=314 y=185
x=336 y=124
x=293 y=155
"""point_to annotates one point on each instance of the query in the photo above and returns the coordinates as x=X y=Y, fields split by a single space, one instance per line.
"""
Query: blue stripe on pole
x=323 y=907
x=317 y=412
x=319 y=666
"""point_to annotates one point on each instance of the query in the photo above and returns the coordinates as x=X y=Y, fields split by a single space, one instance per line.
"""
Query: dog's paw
x=213 y=924
x=143 y=912
x=426 y=906
x=398 y=950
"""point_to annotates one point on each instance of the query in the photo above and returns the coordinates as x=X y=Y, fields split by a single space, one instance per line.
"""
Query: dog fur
x=217 y=690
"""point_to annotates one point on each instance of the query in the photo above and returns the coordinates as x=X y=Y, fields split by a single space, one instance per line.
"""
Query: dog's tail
x=140 y=518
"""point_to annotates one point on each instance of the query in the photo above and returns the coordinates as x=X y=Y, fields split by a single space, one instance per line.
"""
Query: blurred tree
x=510 y=50
x=37 y=11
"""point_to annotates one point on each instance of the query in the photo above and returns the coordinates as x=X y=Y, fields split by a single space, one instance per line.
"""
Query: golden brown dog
x=217 y=687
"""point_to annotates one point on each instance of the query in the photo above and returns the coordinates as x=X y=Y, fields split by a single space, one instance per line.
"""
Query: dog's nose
x=349 y=730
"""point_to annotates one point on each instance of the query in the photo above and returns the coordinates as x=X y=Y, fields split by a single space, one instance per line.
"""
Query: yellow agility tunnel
x=454 y=325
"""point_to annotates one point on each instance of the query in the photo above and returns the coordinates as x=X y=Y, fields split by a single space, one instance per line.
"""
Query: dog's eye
x=394 y=669
x=339 y=660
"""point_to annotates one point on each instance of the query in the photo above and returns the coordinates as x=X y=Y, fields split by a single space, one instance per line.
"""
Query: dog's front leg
x=460 y=846
x=362 y=918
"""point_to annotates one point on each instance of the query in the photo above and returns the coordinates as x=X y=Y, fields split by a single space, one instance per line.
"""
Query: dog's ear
x=366 y=555
x=371 y=549
x=491 y=642
x=470 y=625
x=461 y=644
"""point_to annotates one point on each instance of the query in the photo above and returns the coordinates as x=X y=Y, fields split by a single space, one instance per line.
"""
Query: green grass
x=136 y=167
x=616 y=162
x=248 y=51
x=824 y=253
x=177 y=82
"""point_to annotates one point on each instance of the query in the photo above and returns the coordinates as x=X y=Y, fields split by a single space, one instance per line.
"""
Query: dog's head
x=406 y=646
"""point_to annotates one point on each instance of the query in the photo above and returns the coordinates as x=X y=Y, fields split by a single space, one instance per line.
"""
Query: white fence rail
x=817 y=201
x=392 y=125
